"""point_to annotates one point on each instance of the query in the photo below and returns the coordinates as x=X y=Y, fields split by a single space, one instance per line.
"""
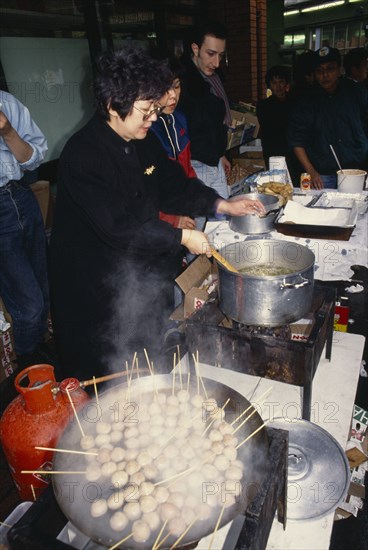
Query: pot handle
x=304 y=282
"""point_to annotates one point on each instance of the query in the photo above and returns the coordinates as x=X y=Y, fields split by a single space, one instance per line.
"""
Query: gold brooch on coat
x=148 y=171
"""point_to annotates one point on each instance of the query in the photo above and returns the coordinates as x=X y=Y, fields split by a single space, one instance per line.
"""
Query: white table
x=333 y=395
x=333 y=258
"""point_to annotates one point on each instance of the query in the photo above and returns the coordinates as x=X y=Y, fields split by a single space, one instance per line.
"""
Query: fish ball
x=131 y=493
x=157 y=420
x=87 y=442
x=93 y=472
x=119 y=478
x=156 y=431
x=217 y=447
x=141 y=531
x=132 y=431
x=230 y=500
x=177 y=498
x=98 y=508
x=210 y=472
x=144 y=458
x=131 y=454
x=137 y=478
x=171 y=451
x=132 y=510
x=225 y=428
x=102 y=439
x=238 y=463
x=146 y=488
x=132 y=467
x=171 y=422
x=207 y=443
x=108 y=468
x=234 y=473
x=183 y=396
x=198 y=424
x=171 y=410
x=176 y=526
x=132 y=443
x=150 y=471
x=152 y=519
x=168 y=511
x=148 y=503
x=144 y=440
x=161 y=494
x=196 y=441
x=197 y=400
x=116 y=436
x=161 y=398
x=116 y=500
x=195 y=480
x=180 y=464
x=221 y=462
x=103 y=428
x=230 y=439
x=215 y=435
x=104 y=455
x=144 y=427
x=162 y=462
x=154 y=409
x=117 y=454
x=230 y=452
x=118 y=521
x=172 y=400
x=188 y=453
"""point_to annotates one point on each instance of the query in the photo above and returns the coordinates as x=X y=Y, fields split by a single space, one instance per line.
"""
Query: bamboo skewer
x=95 y=388
x=250 y=406
x=65 y=451
x=183 y=534
x=33 y=492
x=210 y=424
x=217 y=526
x=120 y=542
x=222 y=260
x=163 y=541
x=106 y=378
x=47 y=472
x=244 y=421
x=250 y=435
x=159 y=535
x=179 y=474
x=74 y=411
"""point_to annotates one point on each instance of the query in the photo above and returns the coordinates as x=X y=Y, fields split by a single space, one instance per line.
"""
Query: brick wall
x=246 y=47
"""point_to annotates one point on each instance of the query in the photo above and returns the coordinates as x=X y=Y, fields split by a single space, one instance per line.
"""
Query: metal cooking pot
x=75 y=494
x=252 y=224
x=267 y=300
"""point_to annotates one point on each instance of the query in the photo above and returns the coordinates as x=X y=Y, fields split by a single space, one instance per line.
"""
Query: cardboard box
x=301 y=329
x=200 y=271
x=235 y=133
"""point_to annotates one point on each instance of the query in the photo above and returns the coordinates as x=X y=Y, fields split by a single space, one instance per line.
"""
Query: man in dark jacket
x=112 y=260
x=331 y=118
x=206 y=106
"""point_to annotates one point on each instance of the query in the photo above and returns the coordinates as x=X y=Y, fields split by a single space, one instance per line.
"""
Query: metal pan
x=75 y=494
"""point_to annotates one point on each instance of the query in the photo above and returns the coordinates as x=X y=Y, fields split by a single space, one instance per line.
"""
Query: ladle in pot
x=222 y=260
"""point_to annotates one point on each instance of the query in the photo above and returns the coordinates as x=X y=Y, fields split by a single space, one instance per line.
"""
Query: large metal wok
x=75 y=494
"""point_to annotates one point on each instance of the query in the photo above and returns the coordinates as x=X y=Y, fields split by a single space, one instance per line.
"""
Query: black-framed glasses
x=157 y=110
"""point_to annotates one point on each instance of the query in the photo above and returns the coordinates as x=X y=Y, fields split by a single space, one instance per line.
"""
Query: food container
x=253 y=224
x=351 y=181
x=266 y=300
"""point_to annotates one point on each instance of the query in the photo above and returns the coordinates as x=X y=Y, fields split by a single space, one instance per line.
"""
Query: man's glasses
x=155 y=111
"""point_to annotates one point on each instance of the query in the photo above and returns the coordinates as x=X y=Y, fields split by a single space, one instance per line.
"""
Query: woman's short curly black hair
x=127 y=75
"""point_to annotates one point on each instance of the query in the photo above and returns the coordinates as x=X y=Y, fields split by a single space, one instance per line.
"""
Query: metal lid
x=318 y=470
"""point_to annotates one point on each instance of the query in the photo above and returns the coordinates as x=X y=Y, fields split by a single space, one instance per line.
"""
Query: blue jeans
x=23 y=265
x=329 y=182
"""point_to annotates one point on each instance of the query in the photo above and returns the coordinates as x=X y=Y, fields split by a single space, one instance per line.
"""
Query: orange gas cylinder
x=36 y=418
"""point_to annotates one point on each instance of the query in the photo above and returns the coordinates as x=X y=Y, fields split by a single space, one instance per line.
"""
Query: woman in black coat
x=112 y=260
